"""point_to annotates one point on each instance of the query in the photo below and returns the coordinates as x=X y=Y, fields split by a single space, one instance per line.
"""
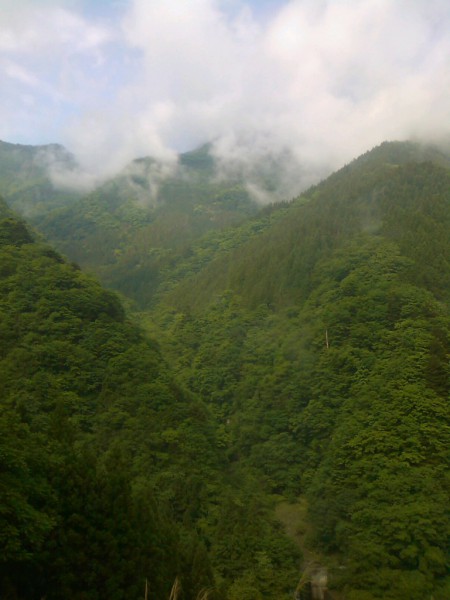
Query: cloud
x=315 y=81
x=50 y=67
x=355 y=73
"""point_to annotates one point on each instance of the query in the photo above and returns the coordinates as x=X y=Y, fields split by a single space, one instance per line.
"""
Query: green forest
x=204 y=399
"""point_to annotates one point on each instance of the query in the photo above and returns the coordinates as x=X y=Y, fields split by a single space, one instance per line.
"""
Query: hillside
x=111 y=474
x=68 y=508
x=127 y=230
x=24 y=180
x=319 y=335
x=271 y=259
x=135 y=224
x=311 y=347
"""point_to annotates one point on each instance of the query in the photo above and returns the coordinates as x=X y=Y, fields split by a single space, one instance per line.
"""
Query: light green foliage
x=380 y=494
x=24 y=181
x=136 y=226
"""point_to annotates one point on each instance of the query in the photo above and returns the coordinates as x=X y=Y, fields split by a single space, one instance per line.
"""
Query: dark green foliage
x=82 y=491
x=13 y=232
x=314 y=342
x=111 y=473
x=27 y=514
x=321 y=342
x=380 y=494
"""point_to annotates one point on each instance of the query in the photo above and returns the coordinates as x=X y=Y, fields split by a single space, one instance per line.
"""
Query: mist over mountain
x=323 y=80
x=319 y=331
x=224 y=300
x=291 y=424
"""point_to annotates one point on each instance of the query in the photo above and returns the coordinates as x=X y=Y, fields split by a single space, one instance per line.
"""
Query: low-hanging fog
x=315 y=81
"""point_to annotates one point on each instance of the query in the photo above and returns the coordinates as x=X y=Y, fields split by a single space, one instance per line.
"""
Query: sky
x=325 y=80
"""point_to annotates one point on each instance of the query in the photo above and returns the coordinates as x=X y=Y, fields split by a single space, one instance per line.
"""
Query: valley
x=199 y=387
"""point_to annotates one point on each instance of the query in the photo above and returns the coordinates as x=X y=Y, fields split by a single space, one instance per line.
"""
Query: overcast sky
x=116 y=79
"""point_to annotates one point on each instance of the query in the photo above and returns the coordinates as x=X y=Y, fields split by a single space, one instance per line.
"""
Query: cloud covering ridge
x=320 y=79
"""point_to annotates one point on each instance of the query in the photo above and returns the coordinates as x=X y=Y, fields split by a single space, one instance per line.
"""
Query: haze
x=324 y=80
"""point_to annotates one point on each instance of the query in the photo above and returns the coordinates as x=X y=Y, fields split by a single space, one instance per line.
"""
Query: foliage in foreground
x=314 y=343
x=111 y=474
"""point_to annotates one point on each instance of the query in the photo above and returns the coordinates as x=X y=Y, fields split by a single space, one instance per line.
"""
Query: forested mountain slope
x=271 y=261
x=68 y=508
x=320 y=337
x=110 y=473
x=130 y=227
x=311 y=345
x=25 y=181
x=136 y=223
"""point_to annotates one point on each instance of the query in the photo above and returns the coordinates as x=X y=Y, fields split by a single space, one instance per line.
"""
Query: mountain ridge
x=311 y=346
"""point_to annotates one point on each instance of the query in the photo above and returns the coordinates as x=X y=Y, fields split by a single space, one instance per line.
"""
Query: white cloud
x=38 y=30
x=18 y=73
x=324 y=79
x=48 y=54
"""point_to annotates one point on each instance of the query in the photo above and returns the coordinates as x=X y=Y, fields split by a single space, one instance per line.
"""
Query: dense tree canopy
x=111 y=473
x=311 y=348
x=322 y=344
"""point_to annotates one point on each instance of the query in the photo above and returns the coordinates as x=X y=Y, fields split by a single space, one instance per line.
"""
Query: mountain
x=134 y=224
x=310 y=343
x=319 y=335
x=127 y=230
x=68 y=511
x=271 y=259
x=112 y=477
x=24 y=177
